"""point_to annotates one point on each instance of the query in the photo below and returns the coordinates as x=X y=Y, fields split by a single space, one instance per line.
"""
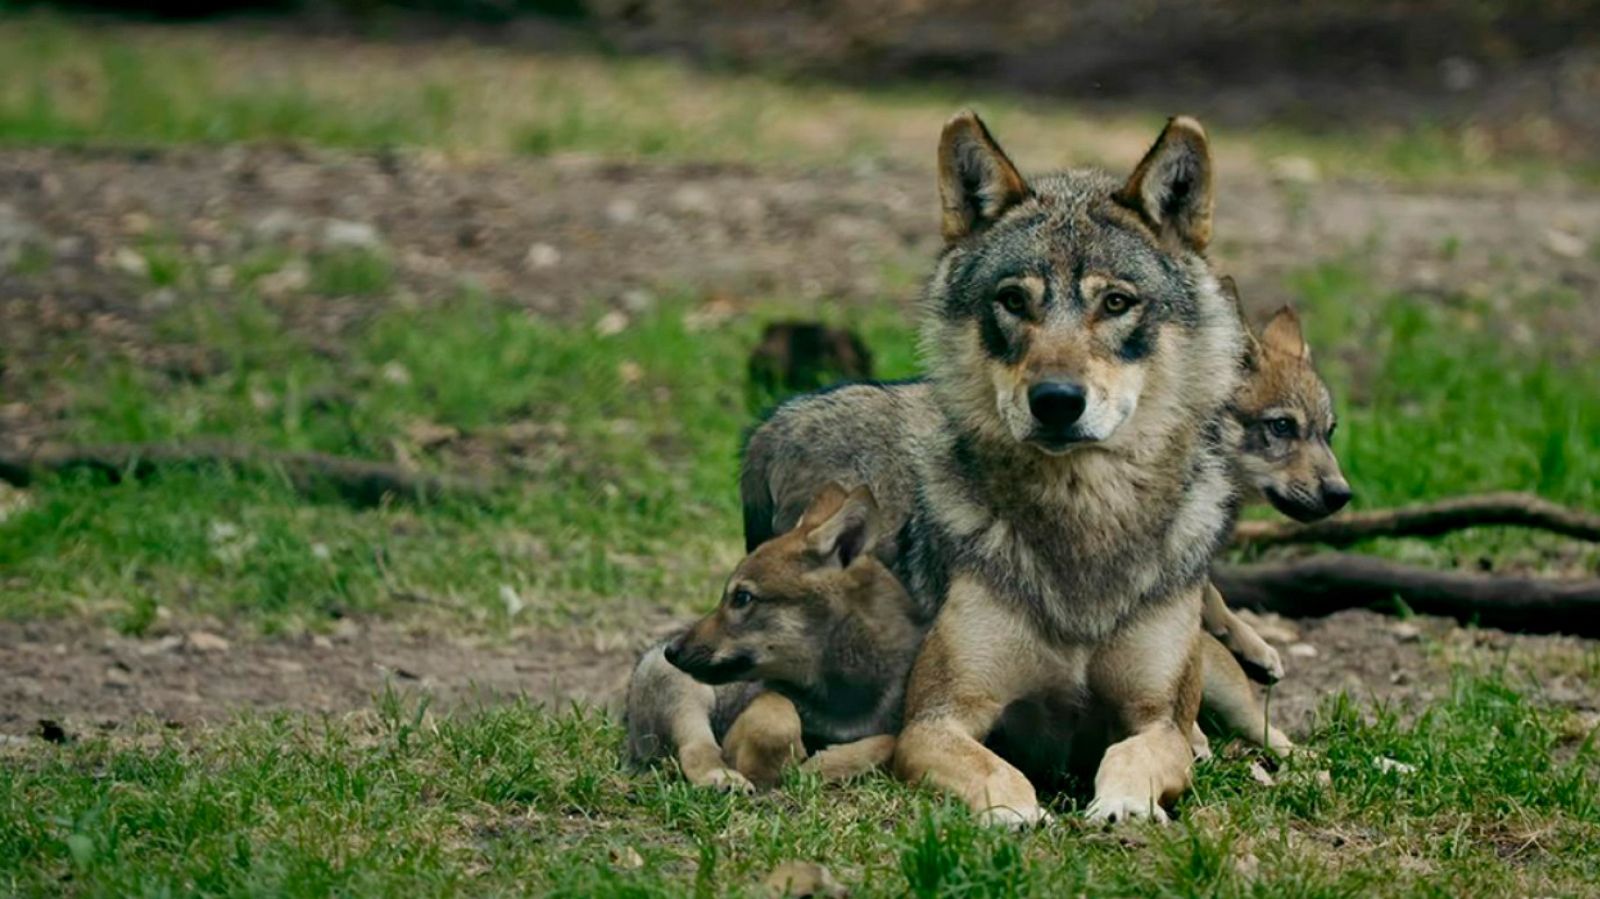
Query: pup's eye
x=741 y=598
x=1331 y=428
x=1281 y=427
x=1012 y=299
x=1116 y=302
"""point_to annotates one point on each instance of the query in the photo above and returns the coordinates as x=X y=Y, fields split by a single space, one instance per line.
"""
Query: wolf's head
x=1075 y=309
x=1286 y=412
x=786 y=601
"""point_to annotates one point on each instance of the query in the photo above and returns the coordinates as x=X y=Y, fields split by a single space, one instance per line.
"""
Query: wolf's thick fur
x=1073 y=477
x=871 y=434
x=810 y=646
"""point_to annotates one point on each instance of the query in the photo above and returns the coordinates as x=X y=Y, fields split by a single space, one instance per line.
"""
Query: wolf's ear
x=849 y=532
x=1252 y=347
x=1171 y=188
x=977 y=183
x=1282 y=334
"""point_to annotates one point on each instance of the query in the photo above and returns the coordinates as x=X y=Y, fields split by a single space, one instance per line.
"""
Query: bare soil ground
x=556 y=236
x=86 y=679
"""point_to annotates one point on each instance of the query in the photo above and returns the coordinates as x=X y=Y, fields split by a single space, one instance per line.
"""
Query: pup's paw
x=725 y=780
x=1009 y=818
x=1117 y=809
x=1262 y=663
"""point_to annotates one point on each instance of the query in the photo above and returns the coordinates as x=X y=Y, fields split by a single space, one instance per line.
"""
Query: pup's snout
x=1335 y=494
x=674 y=651
x=1057 y=405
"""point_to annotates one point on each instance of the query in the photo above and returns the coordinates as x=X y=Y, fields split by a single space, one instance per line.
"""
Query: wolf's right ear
x=849 y=533
x=1252 y=347
x=1171 y=188
x=977 y=183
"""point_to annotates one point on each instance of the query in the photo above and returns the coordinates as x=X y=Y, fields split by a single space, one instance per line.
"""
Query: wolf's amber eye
x=1281 y=427
x=1012 y=299
x=1116 y=303
x=741 y=598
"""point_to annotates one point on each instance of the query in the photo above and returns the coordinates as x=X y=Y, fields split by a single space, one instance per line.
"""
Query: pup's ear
x=977 y=183
x=1282 y=334
x=849 y=532
x=1171 y=188
x=1252 y=347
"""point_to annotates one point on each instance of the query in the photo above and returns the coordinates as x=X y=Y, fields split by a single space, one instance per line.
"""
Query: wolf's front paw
x=1116 y=809
x=724 y=780
x=1014 y=818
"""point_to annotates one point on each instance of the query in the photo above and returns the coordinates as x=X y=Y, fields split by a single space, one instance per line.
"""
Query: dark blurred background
x=1524 y=75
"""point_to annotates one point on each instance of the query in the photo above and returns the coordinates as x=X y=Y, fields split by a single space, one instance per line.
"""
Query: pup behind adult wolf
x=809 y=649
x=1285 y=413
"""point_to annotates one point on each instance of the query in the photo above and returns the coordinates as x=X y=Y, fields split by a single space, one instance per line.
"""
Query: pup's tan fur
x=809 y=646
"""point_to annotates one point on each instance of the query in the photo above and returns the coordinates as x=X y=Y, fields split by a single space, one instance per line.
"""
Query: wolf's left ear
x=1282 y=334
x=977 y=182
x=849 y=533
x=1171 y=188
x=1252 y=347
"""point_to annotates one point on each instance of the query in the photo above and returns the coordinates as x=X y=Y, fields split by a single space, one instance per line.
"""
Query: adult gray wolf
x=1071 y=470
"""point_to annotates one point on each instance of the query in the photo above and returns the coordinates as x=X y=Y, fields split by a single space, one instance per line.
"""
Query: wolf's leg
x=1257 y=656
x=669 y=713
x=1199 y=743
x=764 y=740
x=848 y=760
x=1154 y=693
x=1231 y=698
x=971 y=667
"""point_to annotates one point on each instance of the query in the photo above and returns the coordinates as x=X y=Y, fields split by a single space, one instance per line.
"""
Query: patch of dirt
x=1407 y=665
x=87 y=679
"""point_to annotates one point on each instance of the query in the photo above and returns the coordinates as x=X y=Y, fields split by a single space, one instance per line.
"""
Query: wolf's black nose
x=673 y=652
x=1057 y=404
x=1335 y=494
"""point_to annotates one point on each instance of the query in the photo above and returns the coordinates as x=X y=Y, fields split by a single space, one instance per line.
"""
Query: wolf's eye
x=1281 y=427
x=1116 y=303
x=1012 y=299
x=741 y=598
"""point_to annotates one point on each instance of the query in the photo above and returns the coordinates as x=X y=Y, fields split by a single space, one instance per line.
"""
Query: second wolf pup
x=806 y=653
x=1285 y=413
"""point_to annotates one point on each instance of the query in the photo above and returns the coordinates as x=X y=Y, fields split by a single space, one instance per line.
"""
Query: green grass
x=623 y=449
x=623 y=489
x=516 y=798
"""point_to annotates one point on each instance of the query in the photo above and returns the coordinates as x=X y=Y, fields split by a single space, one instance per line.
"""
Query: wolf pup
x=809 y=649
x=1285 y=413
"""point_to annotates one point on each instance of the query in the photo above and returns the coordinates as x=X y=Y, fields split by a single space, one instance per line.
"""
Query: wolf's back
x=856 y=434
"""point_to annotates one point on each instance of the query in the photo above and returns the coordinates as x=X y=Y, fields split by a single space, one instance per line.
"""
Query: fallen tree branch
x=1323 y=584
x=1427 y=520
x=358 y=482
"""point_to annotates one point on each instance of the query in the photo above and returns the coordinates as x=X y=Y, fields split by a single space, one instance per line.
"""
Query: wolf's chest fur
x=1079 y=543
